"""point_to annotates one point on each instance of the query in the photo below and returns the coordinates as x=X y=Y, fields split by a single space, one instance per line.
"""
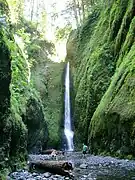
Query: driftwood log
x=49 y=151
x=56 y=167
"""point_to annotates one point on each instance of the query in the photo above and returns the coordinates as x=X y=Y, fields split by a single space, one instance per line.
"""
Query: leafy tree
x=62 y=33
x=16 y=10
x=80 y=9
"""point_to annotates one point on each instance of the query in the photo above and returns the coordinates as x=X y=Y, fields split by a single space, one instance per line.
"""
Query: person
x=85 y=148
x=54 y=155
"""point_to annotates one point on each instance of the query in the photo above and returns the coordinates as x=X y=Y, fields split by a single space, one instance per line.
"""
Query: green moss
x=116 y=15
x=104 y=78
x=5 y=79
x=126 y=21
x=36 y=124
x=18 y=143
x=114 y=118
x=3 y=174
x=52 y=101
x=128 y=41
x=93 y=74
x=13 y=89
x=130 y=157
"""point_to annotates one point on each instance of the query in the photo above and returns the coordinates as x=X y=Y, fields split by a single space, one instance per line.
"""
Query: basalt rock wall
x=102 y=62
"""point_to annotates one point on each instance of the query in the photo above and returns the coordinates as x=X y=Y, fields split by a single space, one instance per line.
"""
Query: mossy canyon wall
x=12 y=150
x=30 y=99
x=102 y=58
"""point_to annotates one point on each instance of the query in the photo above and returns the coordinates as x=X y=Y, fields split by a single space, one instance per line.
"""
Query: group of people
x=55 y=153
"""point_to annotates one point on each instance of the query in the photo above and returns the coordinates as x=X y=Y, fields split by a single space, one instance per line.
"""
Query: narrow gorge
x=53 y=102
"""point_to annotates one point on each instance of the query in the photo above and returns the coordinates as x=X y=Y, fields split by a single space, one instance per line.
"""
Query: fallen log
x=48 y=151
x=60 y=152
x=56 y=167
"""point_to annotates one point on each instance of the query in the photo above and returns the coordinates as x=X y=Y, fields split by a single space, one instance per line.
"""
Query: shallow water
x=101 y=168
x=97 y=168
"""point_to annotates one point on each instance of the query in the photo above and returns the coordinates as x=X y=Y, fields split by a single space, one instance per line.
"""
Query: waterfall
x=67 y=122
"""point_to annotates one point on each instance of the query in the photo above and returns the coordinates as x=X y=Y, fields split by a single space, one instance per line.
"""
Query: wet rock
x=57 y=176
x=38 y=178
x=47 y=175
x=8 y=178
x=84 y=176
x=14 y=174
x=34 y=174
x=67 y=178
x=100 y=165
x=89 y=175
x=83 y=166
x=21 y=178
x=26 y=173
x=77 y=169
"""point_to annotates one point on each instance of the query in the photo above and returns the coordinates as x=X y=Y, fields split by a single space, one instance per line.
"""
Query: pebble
x=20 y=177
x=77 y=169
x=47 y=175
x=83 y=166
x=34 y=174
x=8 y=178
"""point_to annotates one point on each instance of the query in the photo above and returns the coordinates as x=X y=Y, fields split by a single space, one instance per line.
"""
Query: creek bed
x=89 y=167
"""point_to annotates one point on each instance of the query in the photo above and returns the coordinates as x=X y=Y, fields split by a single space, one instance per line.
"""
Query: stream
x=89 y=167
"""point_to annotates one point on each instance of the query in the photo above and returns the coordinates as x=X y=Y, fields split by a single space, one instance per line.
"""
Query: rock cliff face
x=12 y=132
x=103 y=66
x=5 y=78
x=36 y=125
x=17 y=98
x=52 y=99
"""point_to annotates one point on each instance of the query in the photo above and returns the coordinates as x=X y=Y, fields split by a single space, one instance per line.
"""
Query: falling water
x=67 y=123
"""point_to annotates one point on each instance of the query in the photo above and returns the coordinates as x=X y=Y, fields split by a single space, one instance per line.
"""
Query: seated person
x=54 y=155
